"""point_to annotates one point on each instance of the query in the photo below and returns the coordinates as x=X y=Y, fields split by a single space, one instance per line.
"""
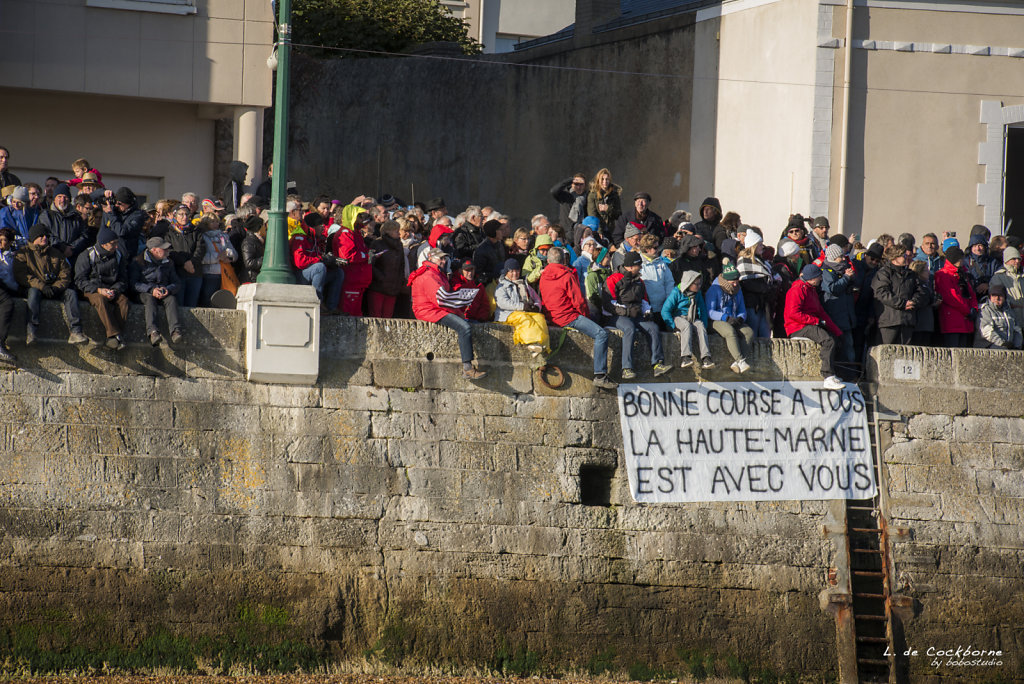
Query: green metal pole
x=277 y=262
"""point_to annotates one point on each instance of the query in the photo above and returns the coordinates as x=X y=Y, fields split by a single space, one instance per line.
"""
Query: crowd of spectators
x=605 y=265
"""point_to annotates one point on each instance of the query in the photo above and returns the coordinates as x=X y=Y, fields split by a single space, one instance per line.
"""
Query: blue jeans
x=188 y=293
x=600 y=336
x=759 y=323
x=629 y=326
x=319 y=276
x=211 y=283
x=465 y=332
x=70 y=297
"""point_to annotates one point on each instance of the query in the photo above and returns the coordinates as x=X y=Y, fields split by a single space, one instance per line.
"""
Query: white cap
x=788 y=248
x=750 y=239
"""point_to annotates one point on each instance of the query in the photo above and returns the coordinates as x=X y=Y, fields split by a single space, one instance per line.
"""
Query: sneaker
x=661 y=369
x=77 y=337
x=628 y=374
x=706 y=363
x=30 y=338
x=474 y=374
x=155 y=338
x=743 y=365
x=685 y=362
x=602 y=382
x=176 y=336
x=115 y=343
x=832 y=382
x=535 y=350
x=7 y=357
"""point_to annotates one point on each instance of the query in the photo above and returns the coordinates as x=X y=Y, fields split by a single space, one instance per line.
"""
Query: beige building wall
x=500 y=24
x=133 y=85
x=915 y=114
x=764 y=119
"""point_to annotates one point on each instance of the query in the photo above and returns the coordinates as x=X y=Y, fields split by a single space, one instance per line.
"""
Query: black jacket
x=67 y=229
x=98 y=268
x=466 y=239
x=652 y=223
x=146 y=274
x=128 y=227
x=488 y=258
x=186 y=245
x=705 y=227
x=252 y=258
x=562 y=192
x=893 y=287
x=388 y=266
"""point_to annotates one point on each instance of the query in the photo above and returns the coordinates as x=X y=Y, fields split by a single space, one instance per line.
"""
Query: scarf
x=729 y=287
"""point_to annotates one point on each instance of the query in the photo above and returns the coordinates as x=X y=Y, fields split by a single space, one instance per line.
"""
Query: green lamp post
x=276 y=266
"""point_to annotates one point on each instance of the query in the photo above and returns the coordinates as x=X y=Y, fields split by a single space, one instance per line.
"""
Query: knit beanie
x=751 y=239
x=37 y=231
x=833 y=253
x=810 y=272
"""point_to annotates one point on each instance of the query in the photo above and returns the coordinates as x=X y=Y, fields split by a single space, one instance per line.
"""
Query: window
x=162 y=6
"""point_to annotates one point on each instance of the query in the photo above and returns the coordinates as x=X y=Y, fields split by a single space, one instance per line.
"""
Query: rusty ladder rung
x=868 y=573
x=866 y=550
x=861 y=508
x=873 y=640
x=881 y=618
x=873 y=661
x=866 y=529
x=879 y=596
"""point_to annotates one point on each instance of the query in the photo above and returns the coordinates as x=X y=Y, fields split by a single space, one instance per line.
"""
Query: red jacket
x=803 y=308
x=304 y=251
x=955 y=306
x=480 y=309
x=348 y=244
x=560 y=292
x=427 y=282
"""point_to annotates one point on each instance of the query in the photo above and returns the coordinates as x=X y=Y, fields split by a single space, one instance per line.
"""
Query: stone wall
x=952 y=454
x=392 y=506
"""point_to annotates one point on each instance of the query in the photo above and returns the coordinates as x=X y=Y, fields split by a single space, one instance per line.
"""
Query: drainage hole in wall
x=430 y=356
x=596 y=485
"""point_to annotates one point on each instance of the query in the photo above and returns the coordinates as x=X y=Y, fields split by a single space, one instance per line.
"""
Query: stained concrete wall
x=396 y=503
x=393 y=498
x=952 y=463
x=498 y=132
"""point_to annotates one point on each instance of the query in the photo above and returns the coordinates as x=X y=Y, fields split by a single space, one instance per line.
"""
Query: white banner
x=756 y=441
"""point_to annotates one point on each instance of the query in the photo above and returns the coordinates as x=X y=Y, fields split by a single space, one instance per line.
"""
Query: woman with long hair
x=605 y=202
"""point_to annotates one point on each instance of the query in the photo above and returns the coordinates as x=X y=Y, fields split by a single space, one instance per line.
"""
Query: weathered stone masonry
x=158 y=489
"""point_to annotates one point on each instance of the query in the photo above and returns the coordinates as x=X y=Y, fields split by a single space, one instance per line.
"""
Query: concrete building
x=501 y=25
x=134 y=86
x=924 y=133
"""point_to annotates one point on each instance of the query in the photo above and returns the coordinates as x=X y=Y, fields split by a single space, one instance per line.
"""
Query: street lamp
x=276 y=264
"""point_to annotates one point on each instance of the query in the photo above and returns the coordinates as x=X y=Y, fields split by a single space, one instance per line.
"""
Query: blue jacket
x=934 y=262
x=678 y=304
x=18 y=222
x=721 y=305
x=837 y=298
x=657 y=279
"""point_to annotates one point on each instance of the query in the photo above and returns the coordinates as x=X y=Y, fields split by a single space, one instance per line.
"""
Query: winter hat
x=592 y=222
x=632 y=259
x=124 y=195
x=588 y=241
x=20 y=193
x=436 y=252
x=62 y=189
x=157 y=242
x=669 y=243
x=642 y=195
x=436 y=203
x=543 y=241
x=788 y=248
x=810 y=272
x=949 y=242
x=954 y=254
x=1010 y=253
x=751 y=239
x=686 y=226
x=833 y=253
x=875 y=250
x=106 y=235
x=839 y=239
x=1014 y=241
x=978 y=229
x=37 y=231
x=795 y=221
x=729 y=271
x=467 y=264
x=977 y=239
x=388 y=199
x=631 y=231
x=510 y=265
x=491 y=228
x=997 y=290
x=821 y=221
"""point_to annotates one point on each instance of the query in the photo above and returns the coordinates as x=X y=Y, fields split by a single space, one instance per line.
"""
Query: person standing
x=571 y=195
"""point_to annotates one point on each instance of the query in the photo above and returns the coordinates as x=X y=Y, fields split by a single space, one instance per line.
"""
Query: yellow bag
x=491 y=287
x=529 y=328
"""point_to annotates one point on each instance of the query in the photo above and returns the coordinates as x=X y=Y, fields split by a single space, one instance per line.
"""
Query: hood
x=295 y=227
x=543 y=240
x=710 y=202
x=349 y=215
x=688 y=242
x=559 y=273
x=687 y=279
x=237 y=171
x=436 y=232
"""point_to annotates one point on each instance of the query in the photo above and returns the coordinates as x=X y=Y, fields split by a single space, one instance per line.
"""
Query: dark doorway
x=1013 y=190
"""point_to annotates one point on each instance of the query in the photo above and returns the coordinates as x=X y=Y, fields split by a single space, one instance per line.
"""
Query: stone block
x=1008 y=456
x=550 y=408
x=919 y=451
x=925 y=426
x=600 y=407
x=986 y=429
x=511 y=429
x=404 y=400
x=991 y=402
x=502 y=378
x=339 y=372
x=397 y=373
x=914 y=507
x=972 y=455
x=413 y=453
x=434 y=482
x=1003 y=482
x=565 y=433
x=907 y=399
x=356 y=398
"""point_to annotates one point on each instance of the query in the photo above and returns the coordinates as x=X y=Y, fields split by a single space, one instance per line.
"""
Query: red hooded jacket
x=803 y=308
x=560 y=292
x=427 y=283
x=955 y=305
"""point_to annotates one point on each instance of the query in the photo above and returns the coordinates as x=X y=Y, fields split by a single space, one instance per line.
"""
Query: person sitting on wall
x=45 y=274
x=463 y=276
x=537 y=259
x=313 y=268
x=806 y=317
x=348 y=245
x=390 y=271
x=728 y=313
x=656 y=275
x=630 y=243
x=519 y=305
x=433 y=301
x=13 y=215
x=686 y=312
x=156 y=280
x=101 y=273
x=628 y=299
x=997 y=326
x=560 y=292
